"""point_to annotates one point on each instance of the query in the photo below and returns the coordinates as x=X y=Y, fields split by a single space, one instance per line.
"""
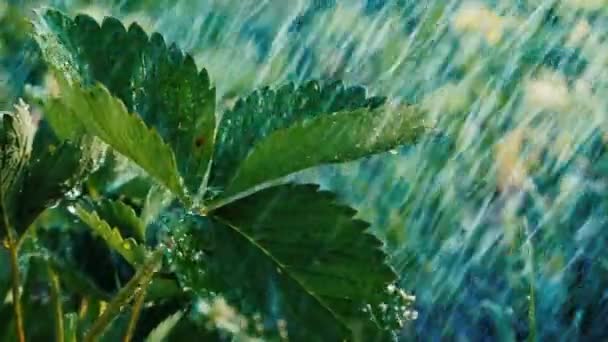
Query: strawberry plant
x=155 y=215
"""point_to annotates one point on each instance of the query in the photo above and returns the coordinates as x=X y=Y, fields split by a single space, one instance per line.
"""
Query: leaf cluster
x=142 y=196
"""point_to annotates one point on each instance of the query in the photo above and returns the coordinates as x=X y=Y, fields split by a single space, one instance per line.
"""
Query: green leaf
x=127 y=248
x=265 y=111
x=157 y=81
x=4 y=272
x=334 y=138
x=39 y=326
x=118 y=214
x=84 y=261
x=156 y=200
x=70 y=326
x=107 y=118
x=78 y=281
x=57 y=171
x=16 y=139
x=299 y=256
x=64 y=123
x=163 y=330
x=120 y=178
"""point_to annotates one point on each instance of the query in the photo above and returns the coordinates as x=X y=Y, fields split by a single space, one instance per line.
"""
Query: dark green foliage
x=157 y=81
x=56 y=172
x=118 y=214
x=16 y=138
x=79 y=265
x=346 y=136
x=36 y=178
x=290 y=258
x=266 y=111
x=126 y=247
x=315 y=254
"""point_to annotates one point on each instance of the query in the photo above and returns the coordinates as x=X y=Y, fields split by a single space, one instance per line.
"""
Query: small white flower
x=549 y=92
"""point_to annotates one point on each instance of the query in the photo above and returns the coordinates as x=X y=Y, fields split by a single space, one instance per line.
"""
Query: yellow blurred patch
x=511 y=169
x=475 y=17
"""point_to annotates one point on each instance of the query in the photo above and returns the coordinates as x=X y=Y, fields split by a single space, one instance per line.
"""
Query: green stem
x=16 y=287
x=56 y=301
x=12 y=244
x=532 y=304
x=135 y=312
x=134 y=287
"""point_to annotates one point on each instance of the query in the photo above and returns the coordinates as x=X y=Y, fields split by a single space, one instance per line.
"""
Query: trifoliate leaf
x=127 y=248
x=297 y=255
x=333 y=138
x=265 y=111
x=106 y=117
x=157 y=81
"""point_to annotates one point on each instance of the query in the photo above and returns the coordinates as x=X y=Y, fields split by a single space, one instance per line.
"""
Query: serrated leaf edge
x=201 y=73
x=308 y=122
x=140 y=233
x=127 y=248
x=347 y=210
x=175 y=185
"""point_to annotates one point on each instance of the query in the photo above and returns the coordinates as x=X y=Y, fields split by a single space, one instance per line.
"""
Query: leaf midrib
x=286 y=271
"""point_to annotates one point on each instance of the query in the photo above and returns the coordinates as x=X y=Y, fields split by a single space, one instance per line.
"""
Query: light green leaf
x=64 y=124
x=297 y=255
x=334 y=138
x=127 y=248
x=156 y=200
x=106 y=117
x=158 y=82
x=163 y=330
x=265 y=111
x=71 y=326
x=118 y=214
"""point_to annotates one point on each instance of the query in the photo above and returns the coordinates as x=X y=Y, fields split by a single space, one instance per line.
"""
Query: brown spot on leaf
x=200 y=141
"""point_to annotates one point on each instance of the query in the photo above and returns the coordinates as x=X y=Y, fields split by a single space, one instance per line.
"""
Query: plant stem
x=12 y=244
x=532 y=299
x=133 y=288
x=135 y=312
x=16 y=286
x=56 y=300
